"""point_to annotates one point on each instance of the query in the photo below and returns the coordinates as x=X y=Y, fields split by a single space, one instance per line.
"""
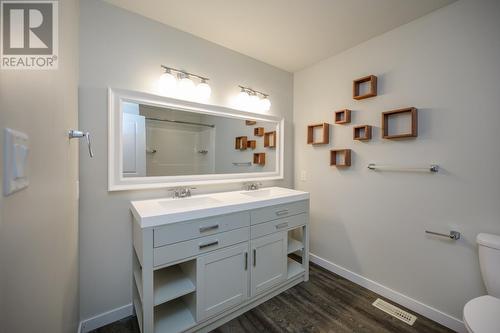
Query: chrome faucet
x=182 y=192
x=252 y=186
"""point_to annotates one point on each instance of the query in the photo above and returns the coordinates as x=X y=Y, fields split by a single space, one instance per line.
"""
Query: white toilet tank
x=489 y=260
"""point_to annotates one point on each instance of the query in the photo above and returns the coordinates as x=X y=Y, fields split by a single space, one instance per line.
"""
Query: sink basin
x=264 y=193
x=188 y=203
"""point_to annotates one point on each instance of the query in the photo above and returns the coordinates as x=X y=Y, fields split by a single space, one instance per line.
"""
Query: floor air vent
x=394 y=311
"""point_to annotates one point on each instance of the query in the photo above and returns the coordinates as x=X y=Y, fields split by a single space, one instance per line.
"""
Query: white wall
x=447 y=65
x=123 y=50
x=39 y=225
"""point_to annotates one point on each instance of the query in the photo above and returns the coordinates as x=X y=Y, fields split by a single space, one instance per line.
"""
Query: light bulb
x=203 y=90
x=265 y=104
x=243 y=99
x=186 y=87
x=168 y=82
x=254 y=102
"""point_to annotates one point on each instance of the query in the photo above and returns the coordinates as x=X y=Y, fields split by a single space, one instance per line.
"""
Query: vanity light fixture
x=252 y=99
x=183 y=84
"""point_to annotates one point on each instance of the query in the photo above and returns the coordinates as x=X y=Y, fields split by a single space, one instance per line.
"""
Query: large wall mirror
x=155 y=141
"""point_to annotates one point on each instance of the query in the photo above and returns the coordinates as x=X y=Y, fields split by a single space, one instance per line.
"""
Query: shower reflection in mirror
x=160 y=141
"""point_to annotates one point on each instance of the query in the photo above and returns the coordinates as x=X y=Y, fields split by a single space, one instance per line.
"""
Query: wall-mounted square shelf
x=343 y=116
x=362 y=133
x=324 y=129
x=241 y=143
x=250 y=122
x=371 y=81
x=412 y=126
x=252 y=144
x=270 y=139
x=340 y=157
x=258 y=131
x=259 y=158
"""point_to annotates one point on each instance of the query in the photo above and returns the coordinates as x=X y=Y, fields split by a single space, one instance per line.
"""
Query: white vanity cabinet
x=198 y=267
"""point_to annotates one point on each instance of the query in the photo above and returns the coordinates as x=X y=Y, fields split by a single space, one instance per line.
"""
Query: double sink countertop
x=157 y=212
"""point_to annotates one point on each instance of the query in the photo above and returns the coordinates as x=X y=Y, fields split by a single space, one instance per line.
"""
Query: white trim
x=410 y=303
x=116 y=181
x=105 y=318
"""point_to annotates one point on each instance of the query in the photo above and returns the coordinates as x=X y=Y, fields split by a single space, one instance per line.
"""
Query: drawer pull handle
x=246 y=261
x=282 y=225
x=208 y=228
x=282 y=212
x=202 y=246
x=254 y=257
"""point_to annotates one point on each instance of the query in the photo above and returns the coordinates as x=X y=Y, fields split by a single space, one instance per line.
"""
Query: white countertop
x=156 y=212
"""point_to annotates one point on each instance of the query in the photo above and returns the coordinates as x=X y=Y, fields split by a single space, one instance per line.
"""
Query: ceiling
x=288 y=34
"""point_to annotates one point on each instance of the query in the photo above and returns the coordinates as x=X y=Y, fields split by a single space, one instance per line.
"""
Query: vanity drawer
x=181 y=231
x=279 y=211
x=169 y=253
x=286 y=223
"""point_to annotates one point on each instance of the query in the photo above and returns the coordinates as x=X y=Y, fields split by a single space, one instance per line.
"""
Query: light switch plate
x=15 y=156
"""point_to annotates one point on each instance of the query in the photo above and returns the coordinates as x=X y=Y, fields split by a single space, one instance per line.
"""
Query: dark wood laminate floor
x=327 y=303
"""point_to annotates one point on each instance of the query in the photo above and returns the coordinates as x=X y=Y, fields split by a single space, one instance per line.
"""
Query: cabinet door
x=222 y=280
x=269 y=255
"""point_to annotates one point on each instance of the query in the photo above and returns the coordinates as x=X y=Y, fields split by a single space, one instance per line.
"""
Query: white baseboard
x=105 y=318
x=414 y=305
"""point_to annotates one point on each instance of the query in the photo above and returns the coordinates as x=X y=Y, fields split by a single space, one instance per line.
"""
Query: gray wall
x=124 y=50
x=39 y=225
x=372 y=223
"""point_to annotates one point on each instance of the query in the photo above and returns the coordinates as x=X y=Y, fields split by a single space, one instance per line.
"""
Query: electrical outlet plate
x=15 y=155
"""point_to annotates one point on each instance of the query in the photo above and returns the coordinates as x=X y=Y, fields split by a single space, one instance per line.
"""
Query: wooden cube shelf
x=412 y=112
x=259 y=158
x=325 y=138
x=241 y=143
x=250 y=122
x=270 y=139
x=356 y=87
x=252 y=144
x=344 y=156
x=258 y=131
x=362 y=133
x=343 y=116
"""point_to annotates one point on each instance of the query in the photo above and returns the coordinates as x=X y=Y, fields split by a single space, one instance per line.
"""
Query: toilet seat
x=482 y=315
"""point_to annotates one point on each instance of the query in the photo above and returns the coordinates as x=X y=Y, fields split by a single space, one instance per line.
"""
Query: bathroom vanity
x=201 y=261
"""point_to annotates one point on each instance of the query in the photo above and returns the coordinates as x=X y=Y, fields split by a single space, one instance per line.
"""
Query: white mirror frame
x=116 y=181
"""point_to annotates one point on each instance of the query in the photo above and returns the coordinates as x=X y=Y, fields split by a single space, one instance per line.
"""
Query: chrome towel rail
x=454 y=235
x=430 y=168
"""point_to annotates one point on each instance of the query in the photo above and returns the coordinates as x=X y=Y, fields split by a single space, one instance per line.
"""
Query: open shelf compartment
x=259 y=158
x=342 y=116
x=340 y=157
x=258 y=131
x=324 y=129
x=241 y=143
x=294 y=268
x=362 y=133
x=174 y=316
x=270 y=139
x=412 y=132
x=174 y=281
x=357 y=85
x=295 y=244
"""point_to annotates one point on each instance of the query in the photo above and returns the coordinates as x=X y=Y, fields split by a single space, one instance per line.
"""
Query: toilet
x=482 y=314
